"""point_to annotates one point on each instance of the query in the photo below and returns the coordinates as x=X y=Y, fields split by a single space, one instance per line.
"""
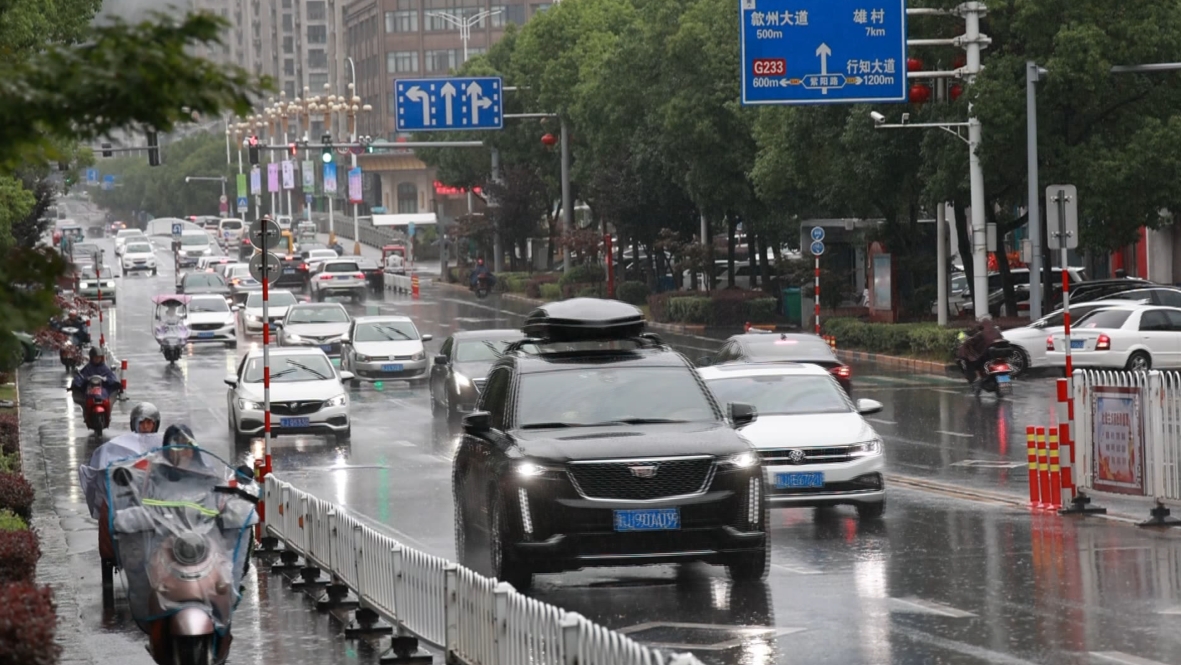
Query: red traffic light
x=293 y=149
x=955 y=92
x=919 y=94
x=549 y=140
x=253 y=141
x=914 y=65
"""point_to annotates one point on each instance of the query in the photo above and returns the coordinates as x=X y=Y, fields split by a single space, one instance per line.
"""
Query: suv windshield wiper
x=638 y=421
x=553 y=425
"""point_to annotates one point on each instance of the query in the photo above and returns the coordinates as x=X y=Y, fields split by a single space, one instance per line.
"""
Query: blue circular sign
x=818 y=235
x=817 y=248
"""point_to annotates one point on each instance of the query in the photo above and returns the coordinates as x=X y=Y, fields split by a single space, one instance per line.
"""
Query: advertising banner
x=1118 y=434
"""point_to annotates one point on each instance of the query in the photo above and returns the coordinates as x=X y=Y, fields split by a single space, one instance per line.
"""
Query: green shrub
x=10 y=462
x=515 y=284
x=633 y=293
x=11 y=522
x=924 y=339
x=591 y=273
x=533 y=287
x=19 y=551
x=760 y=310
x=591 y=291
x=9 y=433
x=550 y=291
x=689 y=309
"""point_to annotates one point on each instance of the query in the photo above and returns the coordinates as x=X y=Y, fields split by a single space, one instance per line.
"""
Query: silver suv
x=337 y=277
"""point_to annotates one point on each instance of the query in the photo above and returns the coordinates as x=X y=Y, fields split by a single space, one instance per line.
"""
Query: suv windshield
x=203 y=279
x=386 y=331
x=123 y=233
x=88 y=273
x=481 y=351
x=139 y=248
x=780 y=395
x=1105 y=318
x=330 y=314
x=275 y=299
x=288 y=369
x=590 y=396
x=206 y=305
x=194 y=239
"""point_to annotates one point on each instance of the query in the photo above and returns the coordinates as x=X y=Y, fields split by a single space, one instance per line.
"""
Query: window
x=514 y=14
x=318 y=59
x=488 y=350
x=316 y=10
x=286 y=4
x=1169 y=297
x=401 y=21
x=317 y=81
x=498 y=17
x=289 y=45
x=495 y=397
x=318 y=314
x=1154 y=320
x=590 y=395
x=317 y=34
x=436 y=23
x=1105 y=318
x=289 y=67
x=407 y=4
x=276 y=298
x=407 y=198
x=441 y=61
x=288 y=23
x=538 y=8
x=402 y=62
x=290 y=369
x=476 y=50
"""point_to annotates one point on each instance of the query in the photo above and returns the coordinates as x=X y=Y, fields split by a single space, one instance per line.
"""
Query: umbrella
x=90 y=476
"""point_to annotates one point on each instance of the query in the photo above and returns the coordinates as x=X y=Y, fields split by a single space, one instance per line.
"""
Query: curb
x=913 y=364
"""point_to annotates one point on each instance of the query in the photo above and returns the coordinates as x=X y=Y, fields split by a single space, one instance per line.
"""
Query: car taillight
x=359 y=275
x=1103 y=343
x=325 y=276
x=843 y=371
x=303 y=267
x=1049 y=342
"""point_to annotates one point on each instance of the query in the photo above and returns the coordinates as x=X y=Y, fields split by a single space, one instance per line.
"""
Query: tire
x=192 y=649
x=1139 y=361
x=751 y=567
x=153 y=272
x=345 y=438
x=1018 y=361
x=871 y=511
x=108 y=570
x=504 y=566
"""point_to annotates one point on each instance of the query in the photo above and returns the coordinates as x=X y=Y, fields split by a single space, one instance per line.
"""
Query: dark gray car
x=457 y=375
x=197 y=283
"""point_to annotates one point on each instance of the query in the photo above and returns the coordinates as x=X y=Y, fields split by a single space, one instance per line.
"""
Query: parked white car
x=307 y=396
x=138 y=255
x=1135 y=337
x=817 y=449
x=210 y=319
x=1030 y=340
x=124 y=235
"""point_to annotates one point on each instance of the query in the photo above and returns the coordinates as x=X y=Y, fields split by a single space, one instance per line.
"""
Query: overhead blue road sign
x=108 y=182
x=449 y=103
x=243 y=204
x=817 y=248
x=818 y=233
x=823 y=51
x=92 y=176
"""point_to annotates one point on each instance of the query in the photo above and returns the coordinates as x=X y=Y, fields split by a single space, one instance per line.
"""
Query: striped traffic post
x=414 y=286
x=1043 y=468
x=1031 y=452
x=123 y=380
x=1055 y=498
x=1065 y=409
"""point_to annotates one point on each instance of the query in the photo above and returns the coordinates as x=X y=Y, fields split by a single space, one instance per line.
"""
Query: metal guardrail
x=473 y=619
x=370 y=234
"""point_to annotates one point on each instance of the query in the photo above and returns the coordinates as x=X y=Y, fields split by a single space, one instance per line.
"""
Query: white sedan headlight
x=292 y=337
x=339 y=400
x=741 y=460
x=867 y=449
x=247 y=405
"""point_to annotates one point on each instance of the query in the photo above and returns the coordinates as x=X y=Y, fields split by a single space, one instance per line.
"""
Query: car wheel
x=1139 y=361
x=1018 y=361
x=871 y=511
x=749 y=567
x=153 y=272
x=505 y=567
x=345 y=438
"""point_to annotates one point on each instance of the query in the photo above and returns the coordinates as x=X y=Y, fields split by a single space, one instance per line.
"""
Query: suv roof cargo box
x=584 y=319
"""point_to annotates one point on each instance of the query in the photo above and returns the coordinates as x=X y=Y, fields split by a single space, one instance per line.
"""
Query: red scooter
x=96 y=405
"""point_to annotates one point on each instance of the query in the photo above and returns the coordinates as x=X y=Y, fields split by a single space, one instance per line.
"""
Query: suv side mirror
x=427 y=338
x=868 y=406
x=440 y=359
x=477 y=423
x=742 y=414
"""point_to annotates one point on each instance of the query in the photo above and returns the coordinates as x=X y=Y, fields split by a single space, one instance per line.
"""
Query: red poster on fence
x=1117 y=422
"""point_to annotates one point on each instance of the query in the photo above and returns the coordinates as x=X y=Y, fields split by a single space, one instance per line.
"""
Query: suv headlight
x=462 y=381
x=247 y=405
x=867 y=449
x=340 y=400
x=292 y=337
x=527 y=469
x=741 y=460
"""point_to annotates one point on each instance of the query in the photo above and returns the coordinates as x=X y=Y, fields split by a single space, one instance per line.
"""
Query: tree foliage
x=162 y=190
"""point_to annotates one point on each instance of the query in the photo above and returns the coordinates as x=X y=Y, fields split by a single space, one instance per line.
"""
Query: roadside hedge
x=19 y=551
x=722 y=308
x=9 y=433
x=584 y=274
x=533 y=286
x=28 y=624
x=549 y=292
x=16 y=495
x=909 y=339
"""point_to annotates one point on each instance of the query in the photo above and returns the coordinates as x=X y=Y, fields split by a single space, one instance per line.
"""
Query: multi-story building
x=390 y=39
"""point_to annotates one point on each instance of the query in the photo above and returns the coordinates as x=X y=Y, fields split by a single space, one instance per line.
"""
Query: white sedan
x=1030 y=340
x=816 y=448
x=278 y=302
x=1135 y=337
x=138 y=255
x=211 y=320
x=307 y=396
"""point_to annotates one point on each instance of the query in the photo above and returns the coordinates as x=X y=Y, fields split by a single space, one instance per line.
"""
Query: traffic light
x=293 y=150
x=107 y=150
x=367 y=142
x=326 y=151
x=153 y=149
x=253 y=149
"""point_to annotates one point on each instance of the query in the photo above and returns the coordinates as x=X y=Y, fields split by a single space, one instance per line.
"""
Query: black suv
x=594 y=444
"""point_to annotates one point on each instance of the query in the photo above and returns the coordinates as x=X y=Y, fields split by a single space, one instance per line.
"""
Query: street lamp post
x=221 y=179
x=353 y=106
x=465 y=24
x=330 y=109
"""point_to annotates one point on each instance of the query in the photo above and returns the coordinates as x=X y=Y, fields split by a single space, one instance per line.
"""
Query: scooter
x=998 y=373
x=172 y=339
x=483 y=285
x=182 y=533
x=71 y=354
x=96 y=405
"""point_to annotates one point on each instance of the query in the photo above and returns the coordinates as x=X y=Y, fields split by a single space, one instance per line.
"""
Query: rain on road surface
x=939 y=580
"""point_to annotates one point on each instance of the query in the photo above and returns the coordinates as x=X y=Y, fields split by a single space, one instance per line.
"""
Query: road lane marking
x=798 y=570
x=987 y=655
x=912 y=604
x=738 y=635
x=988 y=464
x=959 y=434
x=1122 y=658
x=882 y=421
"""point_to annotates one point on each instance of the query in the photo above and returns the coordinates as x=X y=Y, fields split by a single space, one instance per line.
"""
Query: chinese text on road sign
x=449 y=103
x=823 y=51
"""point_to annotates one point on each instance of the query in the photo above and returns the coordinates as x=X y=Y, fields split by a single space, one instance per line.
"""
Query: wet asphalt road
x=939 y=580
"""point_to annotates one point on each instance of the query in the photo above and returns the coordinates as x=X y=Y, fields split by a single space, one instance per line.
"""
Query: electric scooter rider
x=479 y=271
x=973 y=351
x=96 y=367
x=74 y=320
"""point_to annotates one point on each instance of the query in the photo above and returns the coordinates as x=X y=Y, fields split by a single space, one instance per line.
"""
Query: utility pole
x=567 y=197
x=972 y=12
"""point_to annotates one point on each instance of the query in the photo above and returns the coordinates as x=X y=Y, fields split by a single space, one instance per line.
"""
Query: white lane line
x=970 y=650
x=404 y=444
x=959 y=434
x=882 y=421
x=797 y=570
x=1122 y=658
x=912 y=604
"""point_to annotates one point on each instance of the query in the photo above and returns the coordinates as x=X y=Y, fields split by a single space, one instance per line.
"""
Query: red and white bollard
x=123 y=380
x=1066 y=442
x=414 y=286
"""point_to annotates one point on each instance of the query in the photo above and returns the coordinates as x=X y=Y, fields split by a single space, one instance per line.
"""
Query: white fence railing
x=474 y=619
x=1127 y=432
x=399 y=283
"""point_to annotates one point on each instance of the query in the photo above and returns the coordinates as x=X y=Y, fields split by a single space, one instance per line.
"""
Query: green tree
x=162 y=191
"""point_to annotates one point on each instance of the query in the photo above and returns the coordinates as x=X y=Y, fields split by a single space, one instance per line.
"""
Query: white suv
x=337 y=277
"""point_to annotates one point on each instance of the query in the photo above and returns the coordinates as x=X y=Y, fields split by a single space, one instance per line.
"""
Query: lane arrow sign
x=448 y=91
x=419 y=95
x=474 y=92
x=823 y=52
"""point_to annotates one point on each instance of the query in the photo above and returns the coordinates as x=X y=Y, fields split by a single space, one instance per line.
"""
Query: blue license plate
x=289 y=271
x=1003 y=378
x=652 y=519
x=204 y=335
x=391 y=368
x=294 y=422
x=1078 y=343
x=799 y=480
x=326 y=348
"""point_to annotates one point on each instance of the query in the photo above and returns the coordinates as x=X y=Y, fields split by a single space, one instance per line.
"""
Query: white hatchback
x=1134 y=337
x=817 y=449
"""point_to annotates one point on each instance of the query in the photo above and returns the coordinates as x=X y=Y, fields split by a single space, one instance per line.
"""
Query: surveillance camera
x=878 y=118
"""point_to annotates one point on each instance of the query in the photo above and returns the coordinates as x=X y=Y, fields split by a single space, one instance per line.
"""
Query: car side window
x=494 y=399
x=1174 y=320
x=448 y=344
x=1154 y=321
x=1169 y=298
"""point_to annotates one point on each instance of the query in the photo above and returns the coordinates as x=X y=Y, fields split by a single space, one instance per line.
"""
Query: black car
x=594 y=444
x=1103 y=289
x=374 y=277
x=194 y=283
x=782 y=347
x=1169 y=296
x=293 y=272
x=457 y=376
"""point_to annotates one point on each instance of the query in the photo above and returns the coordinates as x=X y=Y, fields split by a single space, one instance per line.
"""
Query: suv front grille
x=294 y=408
x=205 y=326
x=782 y=456
x=625 y=479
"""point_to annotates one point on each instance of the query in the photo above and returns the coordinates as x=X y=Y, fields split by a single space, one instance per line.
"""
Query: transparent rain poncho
x=181 y=520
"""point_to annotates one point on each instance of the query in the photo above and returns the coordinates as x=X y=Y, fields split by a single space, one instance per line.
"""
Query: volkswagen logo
x=796 y=456
x=647 y=471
